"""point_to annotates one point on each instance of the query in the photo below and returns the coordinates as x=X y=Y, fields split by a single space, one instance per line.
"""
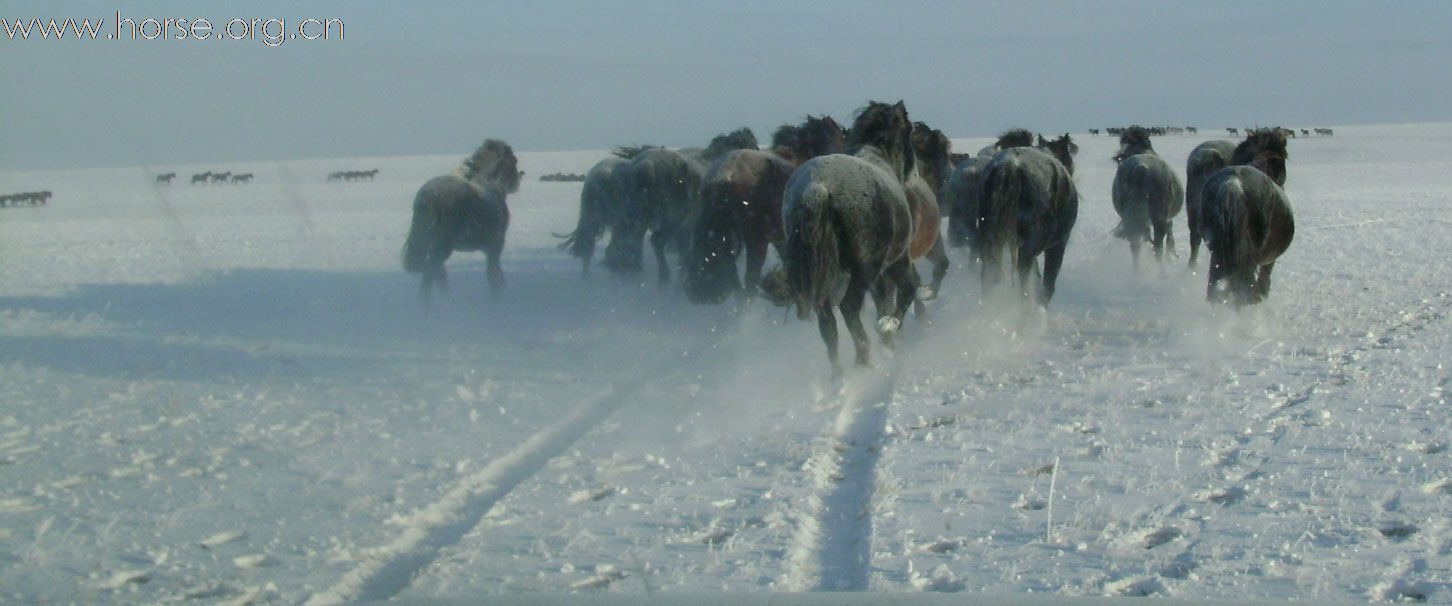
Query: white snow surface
x=233 y=394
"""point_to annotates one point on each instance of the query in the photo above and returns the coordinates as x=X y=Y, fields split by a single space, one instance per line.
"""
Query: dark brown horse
x=1206 y=159
x=1028 y=205
x=931 y=150
x=464 y=211
x=1147 y=194
x=1247 y=219
x=741 y=198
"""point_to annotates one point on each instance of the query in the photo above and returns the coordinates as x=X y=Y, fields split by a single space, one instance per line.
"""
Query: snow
x=232 y=393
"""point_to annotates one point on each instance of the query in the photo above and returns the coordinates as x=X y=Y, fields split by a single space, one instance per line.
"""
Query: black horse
x=1147 y=194
x=1204 y=160
x=741 y=199
x=1247 y=218
x=464 y=211
x=654 y=191
x=962 y=186
x=847 y=218
x=1027 y=205
x=165 y=179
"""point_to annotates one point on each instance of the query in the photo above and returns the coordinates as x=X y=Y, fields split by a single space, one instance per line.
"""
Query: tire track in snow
x=390 y=568
x=832 y=547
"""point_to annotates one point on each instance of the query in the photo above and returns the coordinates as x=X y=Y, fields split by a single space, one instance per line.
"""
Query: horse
x=960 y=189
x=741 y=197
x=1204 y=160
x=165 y=179
x=847 y=219
x=1234 y=132
x=1027 y=205
x=242 y=178
x=221 y=177
x=653 y=190
x=1247 y=219
x=464 y=211
x=931 y=150
x=201 y=177
x=1147 y=194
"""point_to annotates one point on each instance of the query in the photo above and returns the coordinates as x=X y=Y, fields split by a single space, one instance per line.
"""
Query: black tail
x=581 y=242
x=1134 y=216
x=420 y=237
x=998 y=210
x=1227 y=228
x=811 y=253
x=711 y=264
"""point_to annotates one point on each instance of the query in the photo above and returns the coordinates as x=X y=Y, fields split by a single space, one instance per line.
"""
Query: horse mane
x=933 y=150
x=1265 y=149
x=786 y=136
x=820 y=136
x=631 y=151
x=493 y=164
x=1134 y=140
x=887 y=129
x=1014 y=137
x=741 y=138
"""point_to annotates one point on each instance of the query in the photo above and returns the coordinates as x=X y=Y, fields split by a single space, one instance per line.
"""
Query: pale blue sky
x=420 y=78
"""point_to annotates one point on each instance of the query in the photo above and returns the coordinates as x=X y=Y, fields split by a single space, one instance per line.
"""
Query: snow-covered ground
x=232 y=393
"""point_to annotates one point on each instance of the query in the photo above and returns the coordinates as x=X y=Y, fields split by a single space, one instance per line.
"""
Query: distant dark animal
x=1028 y=205
x=1323 y=131
x=847 y=219
x=1094 y=131
x=1247 y=219
x=1233 y=131
x=221 y=177
x=1305 y=133
x=165 y=179
x=242 y=178
x=931 y=150
x=1205 y=160
x=562 y=178
x=1192 y=130
x=1147 y=194
x=741 y=198
x=961 y=190
x=201 y=177
x=464 y=211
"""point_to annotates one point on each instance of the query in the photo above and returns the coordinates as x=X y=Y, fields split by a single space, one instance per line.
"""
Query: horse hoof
x=888 y=325
x=926 y=293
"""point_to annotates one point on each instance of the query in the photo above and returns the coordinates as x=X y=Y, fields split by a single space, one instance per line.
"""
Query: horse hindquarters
x=1226 y=222
x=425 y=249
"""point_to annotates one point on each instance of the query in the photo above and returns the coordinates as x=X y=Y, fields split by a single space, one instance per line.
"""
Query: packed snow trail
x=390 y=568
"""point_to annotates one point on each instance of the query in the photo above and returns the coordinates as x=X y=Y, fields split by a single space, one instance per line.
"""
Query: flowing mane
x=1014 y=137
x=1265 y=149
x=741 y=138
x=887 y=130
x=493 y=164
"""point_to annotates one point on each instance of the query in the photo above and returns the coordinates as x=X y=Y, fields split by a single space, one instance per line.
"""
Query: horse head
x=1134 y=140
x=887 y=129
x=1062 y=149
x=1265 y=149
x=932 y=149
x=493 y=165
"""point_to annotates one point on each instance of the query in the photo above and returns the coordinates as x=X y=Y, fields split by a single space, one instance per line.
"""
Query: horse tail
x=420 y=235
x=998 y=215
x=581 y=242
x=812 y=253
x=1226 y=222
x=711 y=262
x=1134 y=219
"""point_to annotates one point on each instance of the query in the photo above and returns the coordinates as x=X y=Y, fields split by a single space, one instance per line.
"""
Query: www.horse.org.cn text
x=272 y=32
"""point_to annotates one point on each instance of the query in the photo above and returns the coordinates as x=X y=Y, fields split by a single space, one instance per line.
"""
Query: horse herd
x=32 y=198
x=209 y=177
x=849 y=210
x=353 y=175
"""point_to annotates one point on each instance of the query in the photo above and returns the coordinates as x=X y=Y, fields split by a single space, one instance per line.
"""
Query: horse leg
x=903 y=276
x=827 y=325
x=755 y=259
x=1053 y=261
x=1134 y=249
x=495 y=271
x=918 y=308
x=939 y=256
x=1217 y=273
x=852 y=316
x=1160 y=230
x=659 y=238
x=1262 y=283
x=1194 y=235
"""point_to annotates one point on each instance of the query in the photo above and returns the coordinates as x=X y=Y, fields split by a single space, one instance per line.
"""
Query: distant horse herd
x=31 y=198
x=849 y=210
x=353 y=175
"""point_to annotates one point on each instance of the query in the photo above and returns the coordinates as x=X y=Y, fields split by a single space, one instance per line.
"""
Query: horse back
x=867 y=204
x=475 y=217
